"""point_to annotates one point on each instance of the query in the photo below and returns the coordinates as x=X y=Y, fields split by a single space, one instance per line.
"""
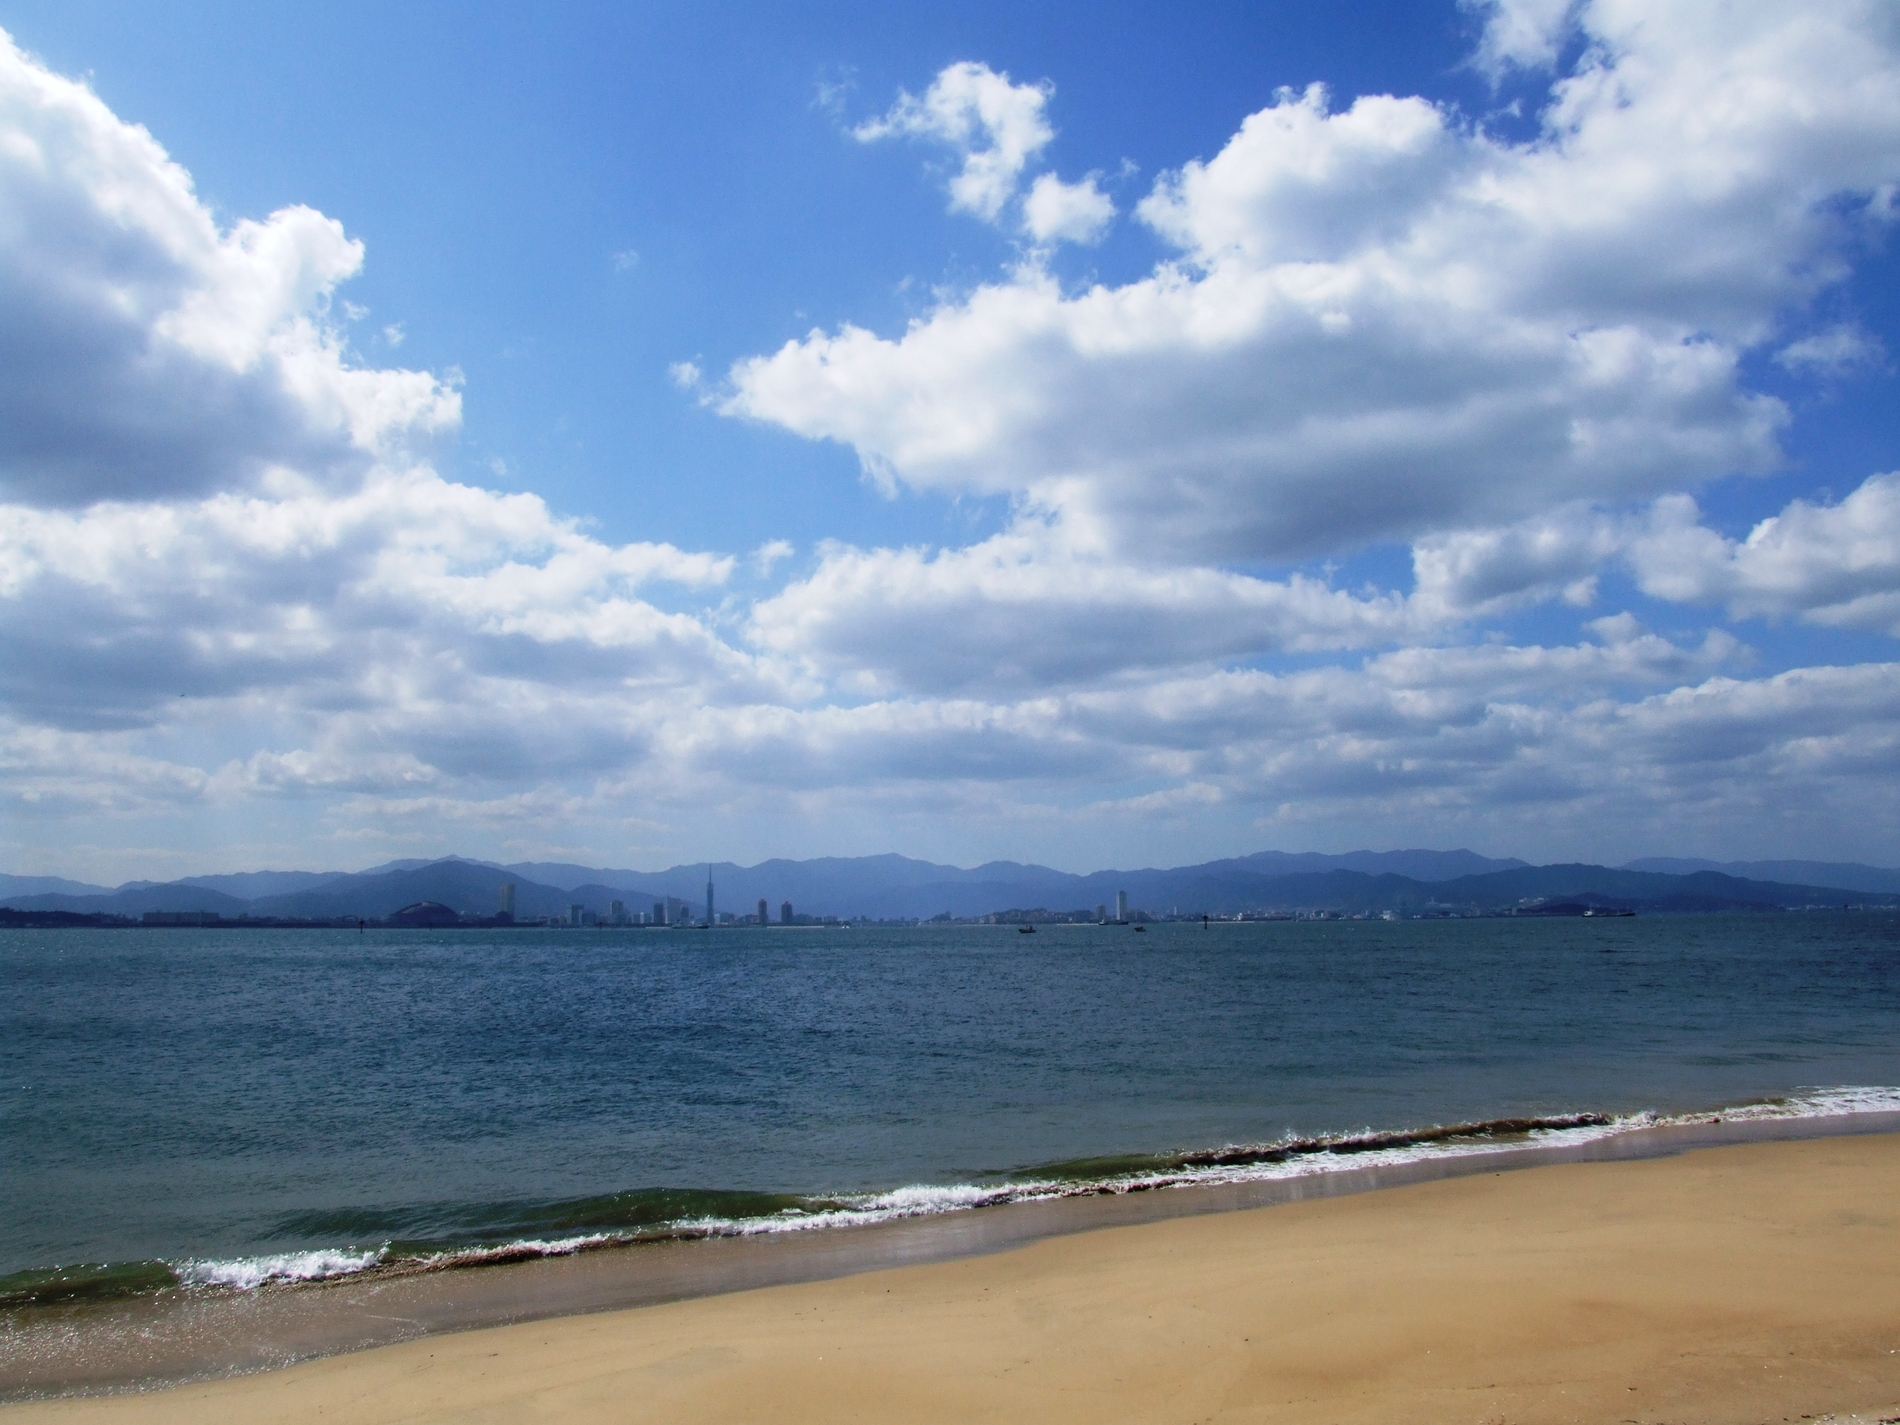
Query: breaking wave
x=440 y=1238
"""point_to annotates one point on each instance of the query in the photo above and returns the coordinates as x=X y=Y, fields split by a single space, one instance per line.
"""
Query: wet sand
x=1745 y=1283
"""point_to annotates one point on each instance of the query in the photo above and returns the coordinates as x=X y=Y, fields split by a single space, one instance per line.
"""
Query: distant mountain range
x=1848 y=875
x=893 y=887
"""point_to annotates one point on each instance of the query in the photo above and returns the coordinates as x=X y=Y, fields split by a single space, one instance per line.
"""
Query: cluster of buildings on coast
x=667 y=911
x=456 y=894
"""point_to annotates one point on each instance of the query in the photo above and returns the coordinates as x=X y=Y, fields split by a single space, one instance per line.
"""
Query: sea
x=225 y=1111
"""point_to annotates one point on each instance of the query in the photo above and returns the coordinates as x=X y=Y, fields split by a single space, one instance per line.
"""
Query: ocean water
x=226 y=1107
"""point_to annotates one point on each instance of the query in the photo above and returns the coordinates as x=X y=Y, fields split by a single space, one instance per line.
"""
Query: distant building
x=1121 y=905
x=617 y=913
x=709 y=900
x=659 y=912
x=425 y=915
x=1101 y=913
x=181 y=917
x=764 y=917
x=575 y=912
x=785 y=913
x=505 y=902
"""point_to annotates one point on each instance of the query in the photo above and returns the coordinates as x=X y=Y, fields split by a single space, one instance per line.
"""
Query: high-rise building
x=785 y=913
x=709 y=902
x=575 y=912
x=1101 y=913
x=659 y=912
x=764 y=917
x=1121 y=905
x=505 y=901
x=617 y=912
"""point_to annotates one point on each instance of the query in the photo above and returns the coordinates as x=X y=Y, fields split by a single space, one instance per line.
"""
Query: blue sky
x=497 y=161
x=1062 y=435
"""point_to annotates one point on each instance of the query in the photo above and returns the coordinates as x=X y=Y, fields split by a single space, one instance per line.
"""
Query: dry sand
x=1755 y=1283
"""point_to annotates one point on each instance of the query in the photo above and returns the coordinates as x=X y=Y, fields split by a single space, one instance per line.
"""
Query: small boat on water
x=1140 y=928
x=1025 y=930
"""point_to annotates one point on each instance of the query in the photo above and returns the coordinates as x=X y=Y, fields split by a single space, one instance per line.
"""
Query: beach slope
x=1752 y=1283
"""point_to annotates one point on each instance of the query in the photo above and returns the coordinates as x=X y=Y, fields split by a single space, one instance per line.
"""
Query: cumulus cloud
x=1385 y=323
x=1054 y=211
x=1600 y=742
x=112 y=613
x=1520 y=34
x=1835 y=564
x=151 y=353
x=1833 y=352
x=229 y=578
x=226 y=572
x=994 y=126
x=1472 y=573
x=1020 y=611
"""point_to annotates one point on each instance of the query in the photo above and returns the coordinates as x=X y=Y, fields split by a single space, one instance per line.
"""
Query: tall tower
x=1121 y=905
x=709 y=906
x=505 y=902
x=785 y=913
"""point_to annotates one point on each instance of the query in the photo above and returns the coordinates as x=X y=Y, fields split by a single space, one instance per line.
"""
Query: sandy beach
x=1751 y=1283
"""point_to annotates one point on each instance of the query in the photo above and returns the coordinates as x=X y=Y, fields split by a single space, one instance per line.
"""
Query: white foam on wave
x=1336 y=1154
x=1813 y=1103
x=1304 y=1158
x=523 y=1247
x=249 y=1273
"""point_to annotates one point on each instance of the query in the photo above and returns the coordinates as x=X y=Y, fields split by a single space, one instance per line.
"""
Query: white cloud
x=1387 y=324
x=136 y=603
x=1833 y=564
x=1520 y=34
x=1054 y=211
x=1300 y=183
x=1471 y=573
x=151 y=353
x=768 y=555
x=1833 y=351
x=1507 y=738
x=1022 y=611
x=994 y=126
x=1614 y=743
x=51 y=772
x=231 y=589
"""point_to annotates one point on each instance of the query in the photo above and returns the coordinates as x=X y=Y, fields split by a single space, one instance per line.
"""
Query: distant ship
x=1025 y=930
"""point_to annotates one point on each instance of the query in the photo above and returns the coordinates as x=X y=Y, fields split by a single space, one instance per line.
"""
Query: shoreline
x=145 y=1343
x=1735 y=1283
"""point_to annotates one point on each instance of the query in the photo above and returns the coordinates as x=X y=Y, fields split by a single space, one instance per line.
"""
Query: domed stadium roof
x=426 y=913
